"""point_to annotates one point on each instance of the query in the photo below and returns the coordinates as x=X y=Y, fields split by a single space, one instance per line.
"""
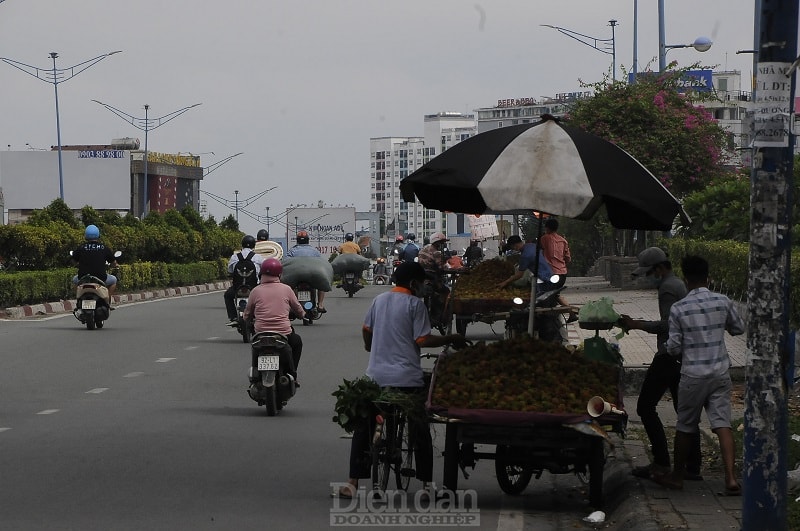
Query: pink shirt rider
x=270 y=303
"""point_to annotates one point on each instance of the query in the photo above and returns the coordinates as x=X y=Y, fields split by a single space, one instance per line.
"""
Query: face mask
x=654 y=280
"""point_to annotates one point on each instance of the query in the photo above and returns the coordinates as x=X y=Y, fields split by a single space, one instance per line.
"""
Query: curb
x=50 y=308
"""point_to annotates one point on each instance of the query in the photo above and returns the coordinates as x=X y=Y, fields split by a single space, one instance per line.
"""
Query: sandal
x=345 y=492
x=732 y=491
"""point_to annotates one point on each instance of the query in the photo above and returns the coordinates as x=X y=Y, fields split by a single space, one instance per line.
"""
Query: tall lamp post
x=146 y=124
x=606 y=46
x=701 y=44
x=55 y=76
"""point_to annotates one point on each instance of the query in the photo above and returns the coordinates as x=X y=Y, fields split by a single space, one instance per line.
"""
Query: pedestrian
x=395 y=328
x=697 y=325
x=556 y=251
x=527 y=261
x=664 y=371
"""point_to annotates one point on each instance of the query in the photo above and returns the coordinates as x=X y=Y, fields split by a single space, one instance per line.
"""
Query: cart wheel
x=597 y=461
x=512 y=477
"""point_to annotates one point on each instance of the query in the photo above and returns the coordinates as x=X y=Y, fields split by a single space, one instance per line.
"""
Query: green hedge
x=729 y=267
x=34 y=287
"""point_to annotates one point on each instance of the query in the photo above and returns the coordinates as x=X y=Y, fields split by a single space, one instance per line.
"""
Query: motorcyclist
x=349 y=246
x=302 y=248
x=411 y=249
x=474 y=253
x=92 y=257
x=433 y=261
x=271 y=303
x=248 y=243
x=380 y=267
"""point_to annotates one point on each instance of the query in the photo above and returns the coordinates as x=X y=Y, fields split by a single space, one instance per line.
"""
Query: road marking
x=164 y=360
x=48 y=411
x=4 y=429
x=212 y=338
x=133 y=374
x=96 y=390
x=191 y=348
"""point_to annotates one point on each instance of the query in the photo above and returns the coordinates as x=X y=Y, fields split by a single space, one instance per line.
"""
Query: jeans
x=663 y=374
x=230 y=303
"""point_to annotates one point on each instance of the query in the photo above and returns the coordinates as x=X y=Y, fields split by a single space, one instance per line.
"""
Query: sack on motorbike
x=316 y=271
x=350 y=262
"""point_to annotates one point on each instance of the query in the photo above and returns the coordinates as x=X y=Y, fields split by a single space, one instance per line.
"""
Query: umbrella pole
x=534 y=280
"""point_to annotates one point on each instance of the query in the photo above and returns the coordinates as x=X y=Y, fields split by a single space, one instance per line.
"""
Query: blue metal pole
x=146 y=128
x=635 y=39
x=662 y=40
x=53 y=55
x=770 y=344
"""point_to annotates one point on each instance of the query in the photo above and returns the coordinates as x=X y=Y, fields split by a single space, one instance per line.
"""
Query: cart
x=529 y=443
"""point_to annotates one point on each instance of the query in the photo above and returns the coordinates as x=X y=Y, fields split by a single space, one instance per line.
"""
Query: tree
x=668 y=131
x=57 y=210
x=229 y=223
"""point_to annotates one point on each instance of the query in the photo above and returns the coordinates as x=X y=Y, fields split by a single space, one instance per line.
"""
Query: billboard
x=326 y=227
x=98 y=178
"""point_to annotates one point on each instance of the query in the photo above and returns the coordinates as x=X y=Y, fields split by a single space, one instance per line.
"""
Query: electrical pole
x=770 y=344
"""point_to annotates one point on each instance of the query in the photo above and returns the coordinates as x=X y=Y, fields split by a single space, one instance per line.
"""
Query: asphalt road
x=145 y=424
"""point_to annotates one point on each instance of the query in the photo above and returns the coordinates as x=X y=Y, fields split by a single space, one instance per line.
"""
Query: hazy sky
x=300 y=86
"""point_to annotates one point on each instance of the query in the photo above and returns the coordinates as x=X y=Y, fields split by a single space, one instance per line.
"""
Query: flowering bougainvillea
x=677 y=139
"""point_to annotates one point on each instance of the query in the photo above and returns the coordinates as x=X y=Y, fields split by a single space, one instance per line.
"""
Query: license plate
x=269 y=363
x=304 y=295
x=88 y=305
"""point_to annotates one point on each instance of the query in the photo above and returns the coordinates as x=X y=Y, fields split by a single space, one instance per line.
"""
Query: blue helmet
x=92 y=232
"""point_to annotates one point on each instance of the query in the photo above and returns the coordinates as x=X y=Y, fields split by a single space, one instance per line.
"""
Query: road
x=145 y=424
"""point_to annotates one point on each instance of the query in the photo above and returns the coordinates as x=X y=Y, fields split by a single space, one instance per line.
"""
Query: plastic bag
x=599 y=311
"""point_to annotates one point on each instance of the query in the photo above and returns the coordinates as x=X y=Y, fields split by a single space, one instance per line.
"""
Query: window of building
x=722 y=84
x=499 y=124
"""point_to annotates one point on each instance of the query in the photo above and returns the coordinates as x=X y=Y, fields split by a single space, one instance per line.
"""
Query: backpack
x=410 y=252
x=244 y=272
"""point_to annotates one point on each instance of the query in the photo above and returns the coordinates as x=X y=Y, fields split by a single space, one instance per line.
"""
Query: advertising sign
x=482 y=227
x=773 y=99
x=326 y=227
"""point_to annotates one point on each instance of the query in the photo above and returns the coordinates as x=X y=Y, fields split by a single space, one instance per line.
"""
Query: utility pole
x=769 y=342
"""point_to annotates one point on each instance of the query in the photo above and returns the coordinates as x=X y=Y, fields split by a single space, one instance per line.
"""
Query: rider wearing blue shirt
x=527 y=261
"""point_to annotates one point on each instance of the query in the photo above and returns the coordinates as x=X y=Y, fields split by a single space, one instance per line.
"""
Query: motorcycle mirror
x=308 y=305
x=117 y=254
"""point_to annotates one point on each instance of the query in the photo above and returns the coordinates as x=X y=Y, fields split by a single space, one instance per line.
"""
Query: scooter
x=271 y=380
x=307 y=296
x=93 y=300
x=245 y=328
x=549 y=326
x=350 y=283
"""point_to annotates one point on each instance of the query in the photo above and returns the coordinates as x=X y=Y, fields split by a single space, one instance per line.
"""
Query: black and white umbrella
x=544 y=166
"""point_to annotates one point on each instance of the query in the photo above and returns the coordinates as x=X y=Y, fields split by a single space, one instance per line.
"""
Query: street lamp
x=55 y=76
x=601 y=45
x=146 y=124
x=701 y=44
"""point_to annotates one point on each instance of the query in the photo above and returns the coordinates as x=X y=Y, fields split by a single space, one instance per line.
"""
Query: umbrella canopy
x=544 y=166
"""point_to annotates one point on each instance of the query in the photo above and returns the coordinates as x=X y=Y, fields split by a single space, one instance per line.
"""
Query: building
x=525 y=110
x=107 y=177
x=393 y=158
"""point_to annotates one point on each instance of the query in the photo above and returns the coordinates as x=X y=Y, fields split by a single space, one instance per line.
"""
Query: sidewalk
x=650 y=506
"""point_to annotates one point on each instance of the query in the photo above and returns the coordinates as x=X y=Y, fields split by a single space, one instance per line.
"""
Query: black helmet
x=411 y=236
x=302 y=237
x=248 y=242
x=348 y=236
x=262 y=235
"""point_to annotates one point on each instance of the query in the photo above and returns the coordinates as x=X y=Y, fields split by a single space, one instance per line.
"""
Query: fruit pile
x=481 y=282
x=522 y=375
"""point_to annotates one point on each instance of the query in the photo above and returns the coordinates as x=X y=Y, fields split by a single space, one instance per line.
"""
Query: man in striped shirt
x=697 y=325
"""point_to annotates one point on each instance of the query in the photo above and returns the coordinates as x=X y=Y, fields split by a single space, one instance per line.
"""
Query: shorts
x=712 y=394
x=110 y=280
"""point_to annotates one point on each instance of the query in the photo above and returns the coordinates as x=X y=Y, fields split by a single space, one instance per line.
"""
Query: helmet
x=302 y=237
x=398 y=238
x=381 y=260
x=438 y=237
x=262 y=235
x=91 y=232
x=248 y=242
x=411 y=236
x=348 y=236
x=272 y=267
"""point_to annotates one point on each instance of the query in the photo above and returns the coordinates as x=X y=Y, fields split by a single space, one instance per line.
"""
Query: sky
x=300 y=86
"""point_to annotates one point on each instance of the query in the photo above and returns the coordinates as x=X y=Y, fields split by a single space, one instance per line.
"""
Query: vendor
x=527 y=261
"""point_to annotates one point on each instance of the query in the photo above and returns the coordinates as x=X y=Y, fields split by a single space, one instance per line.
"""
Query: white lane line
x=164 y=360
x=212 y=338
x=4 y=429
x=133 y=374
x=191 y=348
x=96 y=390
x=48 y=411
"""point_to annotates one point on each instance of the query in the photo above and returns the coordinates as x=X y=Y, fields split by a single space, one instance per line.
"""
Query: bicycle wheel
x=381 y=457
x=405 y=466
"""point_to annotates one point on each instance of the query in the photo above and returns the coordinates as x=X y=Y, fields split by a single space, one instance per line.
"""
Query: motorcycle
x=271 y=380
x=93 y=301
x=245 y=328
x=350 y=283
x=549 y=326
x=307 y=296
